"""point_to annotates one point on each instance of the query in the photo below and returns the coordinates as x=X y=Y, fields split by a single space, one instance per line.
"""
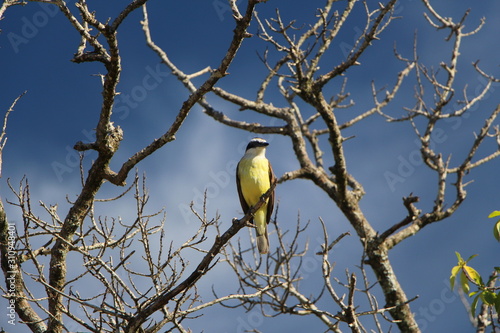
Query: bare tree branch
x=9 y=262
x=315 y=110
x=205 y=264
x=295 y=72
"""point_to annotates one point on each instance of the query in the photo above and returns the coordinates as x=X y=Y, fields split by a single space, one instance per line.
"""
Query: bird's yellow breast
x=254 y=178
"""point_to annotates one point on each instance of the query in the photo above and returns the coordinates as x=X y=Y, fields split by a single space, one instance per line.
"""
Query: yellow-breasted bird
x=254 y=176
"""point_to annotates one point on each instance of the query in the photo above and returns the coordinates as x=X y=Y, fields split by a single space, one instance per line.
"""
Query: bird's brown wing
x=243 y=203
x=270 y=202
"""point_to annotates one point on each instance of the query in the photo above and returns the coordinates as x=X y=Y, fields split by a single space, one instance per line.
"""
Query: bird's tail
x=263 y=243
x=261 y=230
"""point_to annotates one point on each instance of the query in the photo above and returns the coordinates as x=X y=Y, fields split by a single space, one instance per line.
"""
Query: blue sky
x=63 y=100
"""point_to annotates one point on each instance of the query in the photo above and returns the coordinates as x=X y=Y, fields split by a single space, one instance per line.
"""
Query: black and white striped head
x=257 y=143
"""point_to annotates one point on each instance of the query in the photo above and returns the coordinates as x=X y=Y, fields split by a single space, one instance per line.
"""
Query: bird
x=254 y=176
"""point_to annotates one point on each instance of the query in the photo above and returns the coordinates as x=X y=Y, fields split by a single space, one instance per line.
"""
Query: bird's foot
x=250 y=225
x=247 y=224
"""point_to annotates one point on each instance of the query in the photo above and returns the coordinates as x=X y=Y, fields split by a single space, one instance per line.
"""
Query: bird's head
x=257 y=143
x=256 y=146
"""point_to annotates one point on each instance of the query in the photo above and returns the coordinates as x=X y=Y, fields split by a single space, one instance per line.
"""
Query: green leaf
x=474 y=275
x=496 y=231
x=497 y=303
x=494 y=214
x=473 y=306
x=489 y=297
x=471 y=257
x=492 y=278
x=459 y=257
x=454 y=272
x=464 y=283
